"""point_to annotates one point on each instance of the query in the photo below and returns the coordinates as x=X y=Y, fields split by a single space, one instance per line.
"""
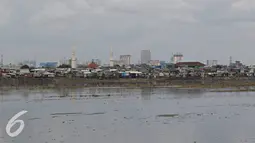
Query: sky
x=47 y=30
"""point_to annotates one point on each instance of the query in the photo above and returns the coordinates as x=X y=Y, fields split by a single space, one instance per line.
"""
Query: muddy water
x=128 y=116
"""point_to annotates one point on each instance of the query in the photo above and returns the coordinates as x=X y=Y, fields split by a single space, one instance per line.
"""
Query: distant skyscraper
x=230 y=60
x=111 y=58
x=211 y=63
x=2 y=60
x=177 y=58
x=145 y=56
x=73 y=60
x=125 y=59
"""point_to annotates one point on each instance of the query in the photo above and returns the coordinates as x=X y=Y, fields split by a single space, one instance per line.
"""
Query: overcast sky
x=46 y=30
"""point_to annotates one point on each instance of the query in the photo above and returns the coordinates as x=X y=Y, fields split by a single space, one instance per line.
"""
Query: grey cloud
x=223 y=11
x=5 y=12
x=201 y=29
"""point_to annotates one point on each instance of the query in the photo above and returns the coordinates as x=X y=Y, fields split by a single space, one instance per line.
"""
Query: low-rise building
x=190 y=64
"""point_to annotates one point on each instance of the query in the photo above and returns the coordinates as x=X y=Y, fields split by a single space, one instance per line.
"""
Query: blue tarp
x=123 y=74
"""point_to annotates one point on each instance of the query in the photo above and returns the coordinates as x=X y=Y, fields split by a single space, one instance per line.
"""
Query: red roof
x=92 y=65
x=189 y=64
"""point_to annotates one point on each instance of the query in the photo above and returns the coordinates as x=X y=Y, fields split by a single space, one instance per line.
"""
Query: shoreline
x=172 y=87
x=211 y=85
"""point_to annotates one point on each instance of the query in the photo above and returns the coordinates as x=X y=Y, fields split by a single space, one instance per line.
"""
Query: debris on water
x=94 y=95
x=128 y=118
x=83 y=95
x=97 y=113
x=31 y=119
x=168 y=115
x=74 y=113
x=54 y=116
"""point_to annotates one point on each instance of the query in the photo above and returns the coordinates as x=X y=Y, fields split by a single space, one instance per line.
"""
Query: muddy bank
x=164 y=82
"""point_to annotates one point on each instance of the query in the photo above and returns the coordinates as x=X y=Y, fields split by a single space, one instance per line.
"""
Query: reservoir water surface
x=119 y=115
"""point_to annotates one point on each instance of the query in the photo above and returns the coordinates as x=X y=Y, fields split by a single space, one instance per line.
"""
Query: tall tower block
x=111 y=58
x=73 y=60
x=177 y=58
x=145 y=56
x=230 y=60
x=2 y=60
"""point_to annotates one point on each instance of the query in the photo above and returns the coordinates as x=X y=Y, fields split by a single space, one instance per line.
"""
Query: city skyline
x=115 y=57
x=199 y=29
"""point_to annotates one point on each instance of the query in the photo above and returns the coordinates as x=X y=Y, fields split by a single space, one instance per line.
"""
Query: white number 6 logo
x=14 y=121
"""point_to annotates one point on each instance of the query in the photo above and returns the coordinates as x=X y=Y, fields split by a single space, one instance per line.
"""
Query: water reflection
x=25 y=94
x=146 y=93
x=6 y=92
x=92 y=91
x=185 y=93
x=63 y=92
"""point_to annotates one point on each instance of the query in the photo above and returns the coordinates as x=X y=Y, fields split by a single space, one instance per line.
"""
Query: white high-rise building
x=111 y=58
x=125 y=59
x=145 y=56
x=178 y=57
x=74 y=60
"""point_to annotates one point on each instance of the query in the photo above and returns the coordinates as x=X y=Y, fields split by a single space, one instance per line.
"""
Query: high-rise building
x=125 y=59
x=145 y=56
x=230 y=60
x=2 y=60
x=73 y=60
x=64 y=61
x=111 y=58
x=211 y=63
x=178 y=57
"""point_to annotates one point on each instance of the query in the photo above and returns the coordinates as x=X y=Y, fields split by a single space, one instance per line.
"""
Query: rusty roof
x=190 y=64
